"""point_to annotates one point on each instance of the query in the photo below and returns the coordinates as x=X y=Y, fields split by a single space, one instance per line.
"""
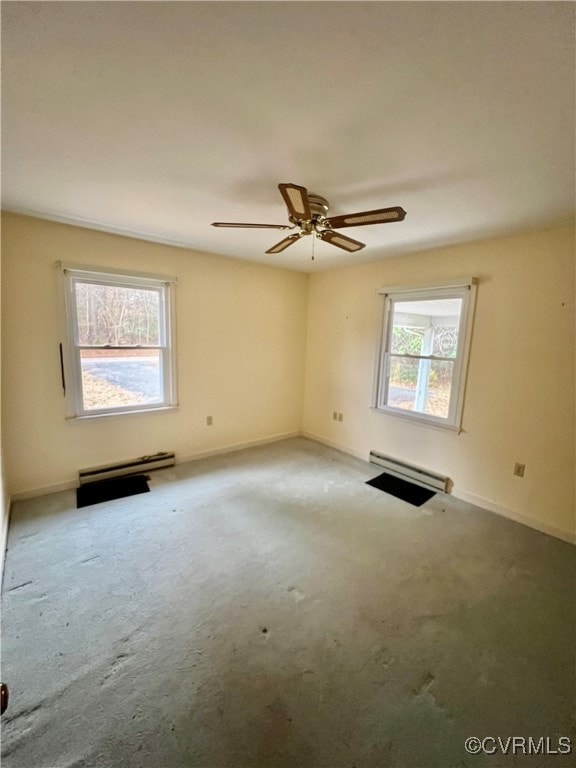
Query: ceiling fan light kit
x=307 y=211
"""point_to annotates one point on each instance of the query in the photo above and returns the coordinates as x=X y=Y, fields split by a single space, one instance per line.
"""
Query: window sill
x=117 y=414
x=420 y=419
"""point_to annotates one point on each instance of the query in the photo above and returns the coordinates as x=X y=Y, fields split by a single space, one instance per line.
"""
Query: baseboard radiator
x=409 y=472
x=129 y=467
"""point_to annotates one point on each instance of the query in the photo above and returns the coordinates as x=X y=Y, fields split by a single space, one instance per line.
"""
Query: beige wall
x=4 y=516
x=4 y=499
x=520 y=400
x=240 y=341
x=241 y=358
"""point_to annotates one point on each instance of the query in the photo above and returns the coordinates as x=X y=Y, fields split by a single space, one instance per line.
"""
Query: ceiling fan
x=307 y=211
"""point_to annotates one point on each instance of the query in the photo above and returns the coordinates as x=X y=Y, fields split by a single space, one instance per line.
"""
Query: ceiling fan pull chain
x=313 y=244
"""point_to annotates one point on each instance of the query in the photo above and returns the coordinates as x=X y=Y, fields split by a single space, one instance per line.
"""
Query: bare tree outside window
x=120 y=343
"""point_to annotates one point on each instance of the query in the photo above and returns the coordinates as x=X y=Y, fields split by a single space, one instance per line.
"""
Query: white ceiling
x=156 y=119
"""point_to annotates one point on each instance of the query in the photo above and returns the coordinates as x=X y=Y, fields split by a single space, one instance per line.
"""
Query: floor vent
x=409 y=472
x=130 y=467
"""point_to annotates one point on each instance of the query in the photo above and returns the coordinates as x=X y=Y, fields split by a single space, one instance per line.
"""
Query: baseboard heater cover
x=129 y=467
x=409 y=472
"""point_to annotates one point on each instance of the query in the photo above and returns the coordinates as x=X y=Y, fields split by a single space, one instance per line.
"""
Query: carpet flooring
x=268 y=608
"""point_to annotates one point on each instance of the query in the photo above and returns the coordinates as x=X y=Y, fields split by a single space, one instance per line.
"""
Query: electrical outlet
x=519 y=469
x=209 y=421
x=339 y=417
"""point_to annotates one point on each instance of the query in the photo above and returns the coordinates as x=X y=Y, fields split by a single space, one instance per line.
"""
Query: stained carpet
x=267 y=608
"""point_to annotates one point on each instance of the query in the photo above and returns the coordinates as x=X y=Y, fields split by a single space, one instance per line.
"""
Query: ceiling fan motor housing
x=318 y=208
x=318 y=205
x=307 y=211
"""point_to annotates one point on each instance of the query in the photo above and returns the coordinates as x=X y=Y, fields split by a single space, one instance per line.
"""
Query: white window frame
x=71 y=349
x=464 y=289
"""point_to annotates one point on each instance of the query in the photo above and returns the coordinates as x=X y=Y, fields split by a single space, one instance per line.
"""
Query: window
x=120 y=353
x=424 y=351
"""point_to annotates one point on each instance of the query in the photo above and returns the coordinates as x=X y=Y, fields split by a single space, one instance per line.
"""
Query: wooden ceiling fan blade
x=249 y=226
x=341 y=241
x=297 y=202
x=379 y=216
x=284 y=243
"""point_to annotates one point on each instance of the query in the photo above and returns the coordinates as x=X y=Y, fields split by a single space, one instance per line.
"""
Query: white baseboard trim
x=4 y=539
x=232 y=448
x=518 y=517
x=337 y=446
x=73 y=484
x=45 y=489
x=472 y=498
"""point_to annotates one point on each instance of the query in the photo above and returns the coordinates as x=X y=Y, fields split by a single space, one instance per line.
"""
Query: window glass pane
x=426 y=327
x=402 y=383
x=117 y=315
x=406 y=340
x=445 y=340
x=437 y=401
x=422 y=386
x=116 y=378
